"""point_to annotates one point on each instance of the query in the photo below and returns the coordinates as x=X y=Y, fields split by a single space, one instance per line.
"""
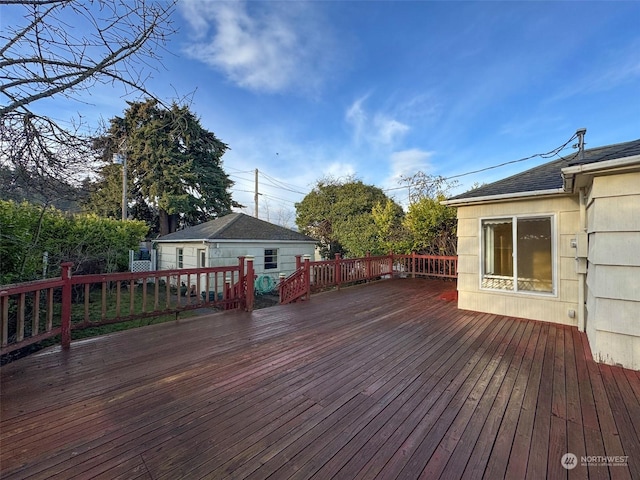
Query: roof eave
x=181 y=240
x=579 y=176
x=504 y=197
x=230 y=240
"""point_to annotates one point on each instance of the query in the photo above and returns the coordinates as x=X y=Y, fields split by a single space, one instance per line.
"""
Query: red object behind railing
x=28 y=316
x=335 y=273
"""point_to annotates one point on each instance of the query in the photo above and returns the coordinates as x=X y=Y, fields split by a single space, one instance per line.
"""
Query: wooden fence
x=314 y=276
x=34 y=311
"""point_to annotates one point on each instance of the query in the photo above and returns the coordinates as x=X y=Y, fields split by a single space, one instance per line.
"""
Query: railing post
x=307 y=276
x=298 y=262
x=241 y=267
x=367 y=266
x=390 y=263
x=249 y=280
x=65 y=320
x=281 y=278
x=227 y=292
x=413 y=264
x=337 y=274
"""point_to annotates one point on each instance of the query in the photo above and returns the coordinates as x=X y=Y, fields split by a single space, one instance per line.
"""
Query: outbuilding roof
x=236 y=226
x=549 y=175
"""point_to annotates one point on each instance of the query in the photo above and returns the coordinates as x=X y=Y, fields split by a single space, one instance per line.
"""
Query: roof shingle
x=236 y=226
x=549 y=176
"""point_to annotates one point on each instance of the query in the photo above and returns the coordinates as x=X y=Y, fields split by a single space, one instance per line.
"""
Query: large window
x=270 y=258
x=517 y=254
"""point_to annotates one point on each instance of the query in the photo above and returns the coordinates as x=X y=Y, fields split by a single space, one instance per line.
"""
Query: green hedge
x=94 y=244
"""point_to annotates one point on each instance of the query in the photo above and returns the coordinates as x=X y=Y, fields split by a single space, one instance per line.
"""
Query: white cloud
x=408 y=162
x=340 y=170
x=261 y=46
x=357 y=118
x=378 y=129
x=606 y=75
x=388 y=129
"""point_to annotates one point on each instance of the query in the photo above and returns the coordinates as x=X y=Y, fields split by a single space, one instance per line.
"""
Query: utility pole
x=124 y=186
x=121 y=157
x=255 y=196
x=580 y=133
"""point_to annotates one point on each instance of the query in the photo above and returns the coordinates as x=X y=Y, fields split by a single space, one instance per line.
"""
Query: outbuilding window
x=270 y=258
x=517 y=254
x=179 y=257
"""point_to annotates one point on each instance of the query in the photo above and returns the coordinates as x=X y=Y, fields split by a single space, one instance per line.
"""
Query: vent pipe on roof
x=580 y=133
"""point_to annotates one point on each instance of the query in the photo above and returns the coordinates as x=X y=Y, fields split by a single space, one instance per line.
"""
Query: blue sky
x=375 y=89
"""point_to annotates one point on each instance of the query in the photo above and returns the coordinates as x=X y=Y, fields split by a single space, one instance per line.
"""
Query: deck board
x=384 y=380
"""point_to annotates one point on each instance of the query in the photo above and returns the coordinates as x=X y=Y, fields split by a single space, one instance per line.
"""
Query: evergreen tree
x=174 y=167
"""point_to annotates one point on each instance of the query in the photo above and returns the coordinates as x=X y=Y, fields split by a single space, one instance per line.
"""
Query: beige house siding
x=613 y=278
x=551 y=308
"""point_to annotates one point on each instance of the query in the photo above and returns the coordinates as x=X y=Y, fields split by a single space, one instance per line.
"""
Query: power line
x=549 y=154
x=278 y=198
x=282 y=185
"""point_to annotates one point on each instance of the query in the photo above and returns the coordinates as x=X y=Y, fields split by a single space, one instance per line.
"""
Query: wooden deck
x=375 y=381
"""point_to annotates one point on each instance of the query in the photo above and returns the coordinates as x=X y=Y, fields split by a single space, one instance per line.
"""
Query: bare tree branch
x=123 y=34
x=64 y=48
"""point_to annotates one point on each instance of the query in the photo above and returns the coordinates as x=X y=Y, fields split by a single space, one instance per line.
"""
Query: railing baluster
x=4 y=303
x=35 y=318
x=86 y=303
x=103 y=307
x=49 y=309
x=20 y=326
x=144 y=295
x=132 y=296
x=168 y=292
x=156 y=294
x=118 y=298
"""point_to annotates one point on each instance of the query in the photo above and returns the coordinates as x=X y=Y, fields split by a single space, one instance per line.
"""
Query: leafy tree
x=359 y=236
x=391 y=233
x=41 y=57
x=431 y=225
x=339 y=215
x=173 y=164
x=105 y=194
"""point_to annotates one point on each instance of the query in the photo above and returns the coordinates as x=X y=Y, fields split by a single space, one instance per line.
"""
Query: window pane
x=534 y=255
x=498 y=254
x=270 y=258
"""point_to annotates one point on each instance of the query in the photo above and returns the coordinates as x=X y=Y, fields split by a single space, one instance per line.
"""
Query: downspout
x=581 y=271
x=581 y=261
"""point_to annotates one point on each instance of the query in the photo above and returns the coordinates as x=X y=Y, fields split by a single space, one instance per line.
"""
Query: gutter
x=230 y=240
x=569 y=174
x=504 y=197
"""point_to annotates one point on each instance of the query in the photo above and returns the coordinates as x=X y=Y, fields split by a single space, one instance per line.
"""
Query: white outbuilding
x=221 y=241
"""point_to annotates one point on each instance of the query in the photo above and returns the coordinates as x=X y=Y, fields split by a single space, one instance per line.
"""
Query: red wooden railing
x=426 y=265
x=34 y=311
x=315 y=276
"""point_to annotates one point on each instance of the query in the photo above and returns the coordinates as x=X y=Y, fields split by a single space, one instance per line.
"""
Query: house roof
x=236 y=226
x=549 y=175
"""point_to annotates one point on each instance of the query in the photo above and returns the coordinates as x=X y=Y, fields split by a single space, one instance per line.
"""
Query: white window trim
x=179 y=261
x=201 y=251
x=277 y=255
x=554 y=255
